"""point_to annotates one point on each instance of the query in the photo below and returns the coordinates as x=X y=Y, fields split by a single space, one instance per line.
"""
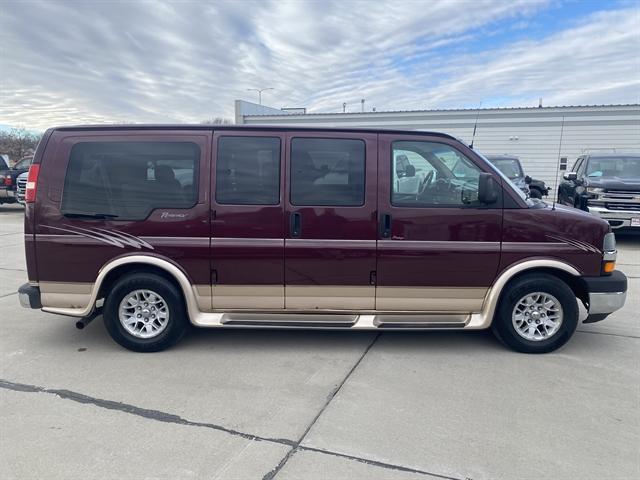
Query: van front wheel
x=145 y=313
x=538 y=313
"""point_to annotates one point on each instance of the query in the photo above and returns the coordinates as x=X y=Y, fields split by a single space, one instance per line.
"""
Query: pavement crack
x=608 y=334
x=271 y=474
x=376 y=463
x=8 y=294
x=133 y=410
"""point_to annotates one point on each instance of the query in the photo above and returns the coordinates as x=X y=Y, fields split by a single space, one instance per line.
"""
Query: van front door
x=330 y=245
x=438 y=248
x=247 y=228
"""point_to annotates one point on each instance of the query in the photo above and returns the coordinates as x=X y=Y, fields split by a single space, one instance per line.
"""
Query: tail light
x=32 y=183
x=8 y=181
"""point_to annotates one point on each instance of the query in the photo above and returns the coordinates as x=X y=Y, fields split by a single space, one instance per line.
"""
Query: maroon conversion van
x=159 y=227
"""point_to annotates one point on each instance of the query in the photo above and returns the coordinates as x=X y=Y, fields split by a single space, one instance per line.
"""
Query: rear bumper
x=606 y=295
x=29 y=296
x=616 y=218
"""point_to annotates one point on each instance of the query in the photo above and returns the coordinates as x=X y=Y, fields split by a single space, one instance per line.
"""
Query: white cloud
x=186 y=62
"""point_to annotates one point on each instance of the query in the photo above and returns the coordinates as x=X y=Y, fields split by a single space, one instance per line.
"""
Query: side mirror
x=570 y=176
x=410 y=171
x=487 y=189
x=527 y=180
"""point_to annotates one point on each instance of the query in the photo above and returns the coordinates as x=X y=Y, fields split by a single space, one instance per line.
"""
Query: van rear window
x=128 y=180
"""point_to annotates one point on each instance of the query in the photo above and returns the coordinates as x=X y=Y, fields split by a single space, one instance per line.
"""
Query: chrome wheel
x=143 y=313
x=537 y=316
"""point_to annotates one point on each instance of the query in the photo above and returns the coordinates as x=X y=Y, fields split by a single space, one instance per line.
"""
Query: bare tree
x=18 y=142
x=217 y=121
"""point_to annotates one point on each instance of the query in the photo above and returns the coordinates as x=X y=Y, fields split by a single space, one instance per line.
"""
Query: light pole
x=259 y=90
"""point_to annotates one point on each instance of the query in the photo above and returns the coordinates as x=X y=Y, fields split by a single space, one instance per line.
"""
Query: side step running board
x=346 y=321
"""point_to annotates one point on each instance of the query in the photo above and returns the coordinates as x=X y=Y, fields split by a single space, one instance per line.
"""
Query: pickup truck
x=606 y=185
x=9 y=178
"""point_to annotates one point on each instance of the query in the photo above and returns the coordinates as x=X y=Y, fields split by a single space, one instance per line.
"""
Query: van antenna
x=558 y=165
x=475 y=125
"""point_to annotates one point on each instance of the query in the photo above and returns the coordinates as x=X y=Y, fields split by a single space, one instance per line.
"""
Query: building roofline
x=500 y=109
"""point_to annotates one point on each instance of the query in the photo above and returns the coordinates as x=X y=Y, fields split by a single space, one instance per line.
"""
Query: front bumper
x=29 y=296
x=616 y=218
x=607 y=294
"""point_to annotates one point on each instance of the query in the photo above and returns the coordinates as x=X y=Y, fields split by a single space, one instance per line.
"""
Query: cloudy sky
x=65 y=62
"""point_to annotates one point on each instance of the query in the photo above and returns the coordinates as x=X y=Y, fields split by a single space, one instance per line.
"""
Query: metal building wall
x=533 y=134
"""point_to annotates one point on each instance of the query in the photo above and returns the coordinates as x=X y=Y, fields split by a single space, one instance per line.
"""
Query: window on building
x=128 y=180
x=248 y=171
x=327 y=172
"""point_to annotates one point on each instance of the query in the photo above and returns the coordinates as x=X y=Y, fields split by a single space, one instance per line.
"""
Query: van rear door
x=330 y=246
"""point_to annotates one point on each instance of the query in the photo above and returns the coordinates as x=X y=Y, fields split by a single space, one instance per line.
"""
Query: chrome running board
x=392 y=321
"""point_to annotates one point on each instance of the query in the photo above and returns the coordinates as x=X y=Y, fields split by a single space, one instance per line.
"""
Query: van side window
x=248 y=171
x=128 y=180
x=427 y=174
x=327 y=172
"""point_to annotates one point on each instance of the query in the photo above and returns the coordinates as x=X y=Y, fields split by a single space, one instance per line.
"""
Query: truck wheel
x=145 y=313
x=535 y=193
x=537 y=313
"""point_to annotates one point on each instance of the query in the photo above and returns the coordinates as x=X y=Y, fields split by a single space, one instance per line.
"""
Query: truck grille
x=22 y=186
x=620 y=200
x=623 y=206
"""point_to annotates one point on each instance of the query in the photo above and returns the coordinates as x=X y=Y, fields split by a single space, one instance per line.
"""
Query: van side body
x=299 y=228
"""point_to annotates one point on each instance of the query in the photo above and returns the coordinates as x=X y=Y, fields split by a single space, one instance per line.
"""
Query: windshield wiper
x=90 y=215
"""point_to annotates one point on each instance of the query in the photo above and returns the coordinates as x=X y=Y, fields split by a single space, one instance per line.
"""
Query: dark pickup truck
x=606 y=185
x=9 y=178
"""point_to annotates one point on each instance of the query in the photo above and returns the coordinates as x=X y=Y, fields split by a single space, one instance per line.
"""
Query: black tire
x=177 y=322
x=535 y=193
x=506 y=332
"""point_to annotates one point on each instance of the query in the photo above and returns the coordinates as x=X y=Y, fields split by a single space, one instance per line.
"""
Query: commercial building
x=533 y=134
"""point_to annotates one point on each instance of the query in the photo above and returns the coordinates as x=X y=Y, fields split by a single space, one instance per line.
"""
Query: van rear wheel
x=538 y=313
x=145 y=313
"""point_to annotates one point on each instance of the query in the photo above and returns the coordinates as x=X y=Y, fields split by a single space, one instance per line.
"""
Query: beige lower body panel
x=65 y=295
x=430 y=299
x=248 y=297
x=311 y=297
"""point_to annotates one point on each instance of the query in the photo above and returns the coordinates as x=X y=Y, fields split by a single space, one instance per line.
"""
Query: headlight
x=595 y=190
x=609 y=243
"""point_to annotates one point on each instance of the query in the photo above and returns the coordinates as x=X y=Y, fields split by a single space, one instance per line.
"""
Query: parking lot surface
x=251 y=404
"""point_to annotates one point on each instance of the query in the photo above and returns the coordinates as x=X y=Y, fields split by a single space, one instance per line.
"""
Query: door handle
x=295 y=224
x=385 y=225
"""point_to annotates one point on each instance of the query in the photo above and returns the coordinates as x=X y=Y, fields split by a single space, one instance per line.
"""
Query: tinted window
x=3 y=164
x=622 y=167
x=427 y=174
x=130 y=179
x=248 y=171
x=327 y=172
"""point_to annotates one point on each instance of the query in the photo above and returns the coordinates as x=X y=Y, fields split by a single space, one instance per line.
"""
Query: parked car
x=510 y=165
x=302 y=228
x=9 y=176
x=606 y=185
x=21 y=187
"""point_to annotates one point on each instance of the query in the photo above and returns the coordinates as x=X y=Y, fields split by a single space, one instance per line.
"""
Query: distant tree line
x=18 y=142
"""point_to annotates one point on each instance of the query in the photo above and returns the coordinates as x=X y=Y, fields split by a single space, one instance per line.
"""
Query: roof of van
x=246 y=127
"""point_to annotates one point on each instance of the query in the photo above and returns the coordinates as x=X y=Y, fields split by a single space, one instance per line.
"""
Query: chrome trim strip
x=449 y=246
x=329 y=243
x=246 y=242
